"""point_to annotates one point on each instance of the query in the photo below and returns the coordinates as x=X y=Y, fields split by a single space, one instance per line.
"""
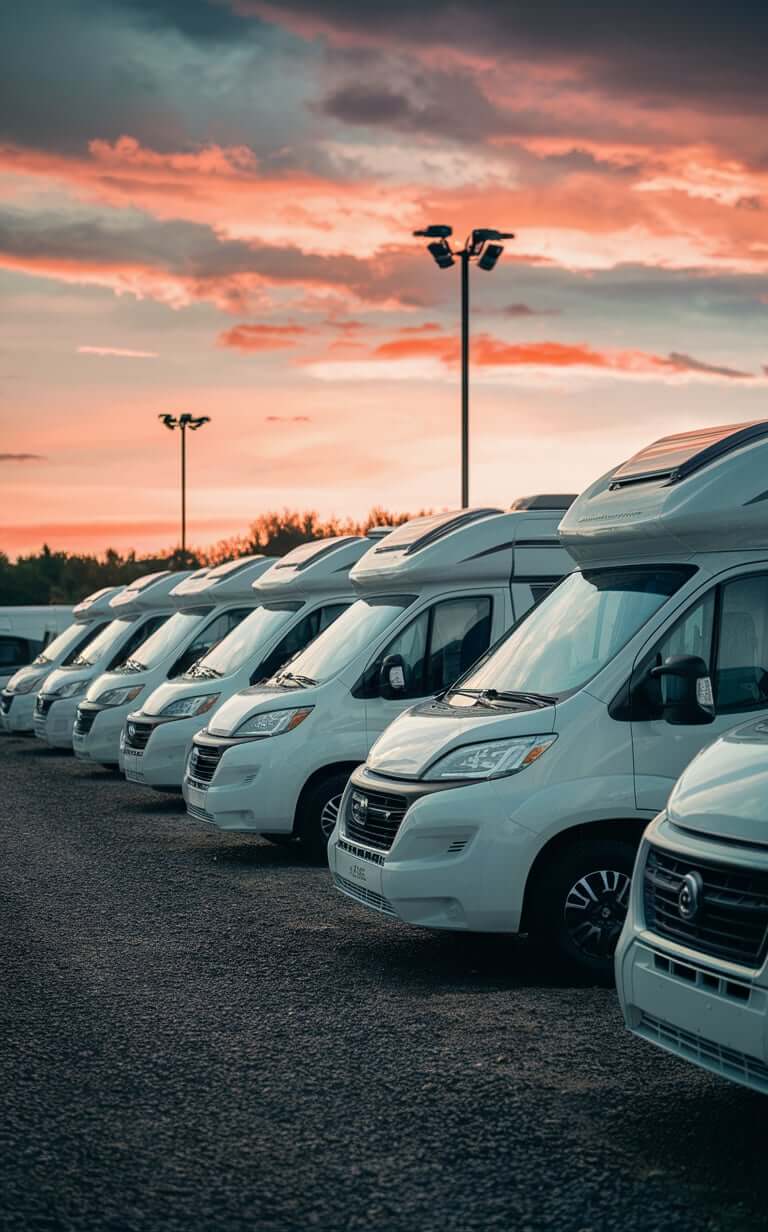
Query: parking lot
x=197 y=1032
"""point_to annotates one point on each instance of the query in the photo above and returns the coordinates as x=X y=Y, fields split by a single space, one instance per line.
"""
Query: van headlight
x=187 y=707
x=273 y=722
x=118 y=697
x=71 y=688
x=491 y=760
x=26 y=686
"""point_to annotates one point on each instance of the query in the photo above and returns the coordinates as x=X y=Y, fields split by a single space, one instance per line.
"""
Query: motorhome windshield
x=102 y=644
x=344 y=639
x=240 y=646
x=73 y=635
x=575 y=631
x=167 y=638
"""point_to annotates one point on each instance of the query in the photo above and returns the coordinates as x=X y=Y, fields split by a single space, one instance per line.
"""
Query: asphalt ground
x=196 y=1032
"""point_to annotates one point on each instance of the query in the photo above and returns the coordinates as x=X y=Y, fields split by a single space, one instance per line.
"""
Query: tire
x=579 y=906
x=317 y=815
x=280 y=840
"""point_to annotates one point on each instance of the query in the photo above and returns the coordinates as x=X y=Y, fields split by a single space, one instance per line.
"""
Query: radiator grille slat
x=373 y=818
x=727 y=1061
x=204 y=761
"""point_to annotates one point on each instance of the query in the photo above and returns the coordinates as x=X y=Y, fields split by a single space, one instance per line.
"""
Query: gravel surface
x=196 y=1032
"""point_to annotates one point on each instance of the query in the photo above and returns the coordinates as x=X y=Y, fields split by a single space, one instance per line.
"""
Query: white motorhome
x=135 y=612
x=17 y=700
x=298 y=596
x=516 y=801
x=25 y=631
x=206 y=606
x=275 y=758
x=692 y=961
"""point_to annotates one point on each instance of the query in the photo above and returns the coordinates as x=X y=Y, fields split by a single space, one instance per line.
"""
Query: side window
x=139 y=635
x=302 y=633
x=437 y=646
x=741 y=673
x=690 y=635
x=88 y=635
x=16 y=651
x=461 y=631
x=213 y=632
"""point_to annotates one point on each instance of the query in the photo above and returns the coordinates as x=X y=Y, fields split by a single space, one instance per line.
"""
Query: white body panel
x=694 y=980
x=258 y=783
x=302 y=592
x=17 y=700
x=464 y=857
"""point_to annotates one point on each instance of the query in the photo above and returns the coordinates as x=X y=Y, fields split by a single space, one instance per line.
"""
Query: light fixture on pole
x=184 y=423
x=482 y=247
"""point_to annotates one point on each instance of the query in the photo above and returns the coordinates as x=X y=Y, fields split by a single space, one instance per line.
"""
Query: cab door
x=728 y=628
x=437 y=646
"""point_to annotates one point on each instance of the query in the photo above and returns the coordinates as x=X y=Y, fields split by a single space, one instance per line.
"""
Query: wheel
x=580 y=905
x=280 y=840
x=319 y=810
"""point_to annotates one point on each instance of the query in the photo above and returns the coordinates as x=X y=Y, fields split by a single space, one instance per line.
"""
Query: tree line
x=66 y=577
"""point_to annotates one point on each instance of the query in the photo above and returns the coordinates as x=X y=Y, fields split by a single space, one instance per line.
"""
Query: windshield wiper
x=79 y=661
x=302 y=681
x=513 y=695
x=131 y=665
x=202 y=673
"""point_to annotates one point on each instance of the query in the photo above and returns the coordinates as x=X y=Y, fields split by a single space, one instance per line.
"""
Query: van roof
x=699 y=491
x=543 y=501
x=210 y=587
x=96 y=604
x=319 y=566
x=475 y=545
x=148 y=593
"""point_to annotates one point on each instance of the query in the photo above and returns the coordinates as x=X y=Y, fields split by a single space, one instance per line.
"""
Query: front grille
x=374 y=818
x=369 y=897
x=732 y=919
x=137 y=736
x=84 y=721
x=43 y=705
x=203 y=761
x=726 y=1061
x=6 y=701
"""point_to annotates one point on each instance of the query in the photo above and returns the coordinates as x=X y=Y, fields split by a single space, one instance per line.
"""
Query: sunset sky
x=207 y=206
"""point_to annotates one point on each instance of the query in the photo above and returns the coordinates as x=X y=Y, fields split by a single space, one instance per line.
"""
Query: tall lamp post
x=184 y=423
x=483 y=247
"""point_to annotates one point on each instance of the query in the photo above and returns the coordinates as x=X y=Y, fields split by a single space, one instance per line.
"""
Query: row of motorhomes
x=477 y=715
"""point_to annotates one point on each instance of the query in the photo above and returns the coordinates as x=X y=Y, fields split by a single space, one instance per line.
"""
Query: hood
x=172 y=690
x=724 y=790
x=114 y=680
x=24 y=674
x=427 y=731
x=236 y=709
x=63 y=675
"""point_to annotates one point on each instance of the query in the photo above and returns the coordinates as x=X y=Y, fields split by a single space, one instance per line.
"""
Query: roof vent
x=673 y=458
x=421 y=532
x=308 y=553
x=543 y=501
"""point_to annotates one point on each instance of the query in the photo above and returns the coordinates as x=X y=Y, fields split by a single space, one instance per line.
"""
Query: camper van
x=206 y=606
x=432 y=595
x=135 y=612
x=692 y=961
x=17 y=700
x=516 y=800
x=299 y=595
x=25 y=631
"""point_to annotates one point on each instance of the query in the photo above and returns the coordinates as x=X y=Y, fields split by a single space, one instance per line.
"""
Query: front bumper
x=162 y=761
x=458 y=861
x=706 y=1010
x=55 y=727
x=255 y=788
x=17 y=712
x=101 y=744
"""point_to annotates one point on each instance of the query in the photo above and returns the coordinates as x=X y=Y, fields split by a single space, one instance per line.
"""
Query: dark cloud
x=657 y=51
x=22 y=457
x=525 y=310
x=446 y=105
x=687 y=363
x=204 y=20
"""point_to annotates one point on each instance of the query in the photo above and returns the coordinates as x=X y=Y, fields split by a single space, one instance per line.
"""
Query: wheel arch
x=318 y=776
x=628 y=829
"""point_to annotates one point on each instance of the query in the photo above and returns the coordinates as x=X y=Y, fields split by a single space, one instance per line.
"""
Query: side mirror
x=392 y=676
x=686 y=690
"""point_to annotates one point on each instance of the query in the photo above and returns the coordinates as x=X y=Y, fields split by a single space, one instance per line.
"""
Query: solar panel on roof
x=674 y=457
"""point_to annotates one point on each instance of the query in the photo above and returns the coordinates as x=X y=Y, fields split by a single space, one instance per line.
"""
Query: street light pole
x=184 y=422
x=482 y=247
